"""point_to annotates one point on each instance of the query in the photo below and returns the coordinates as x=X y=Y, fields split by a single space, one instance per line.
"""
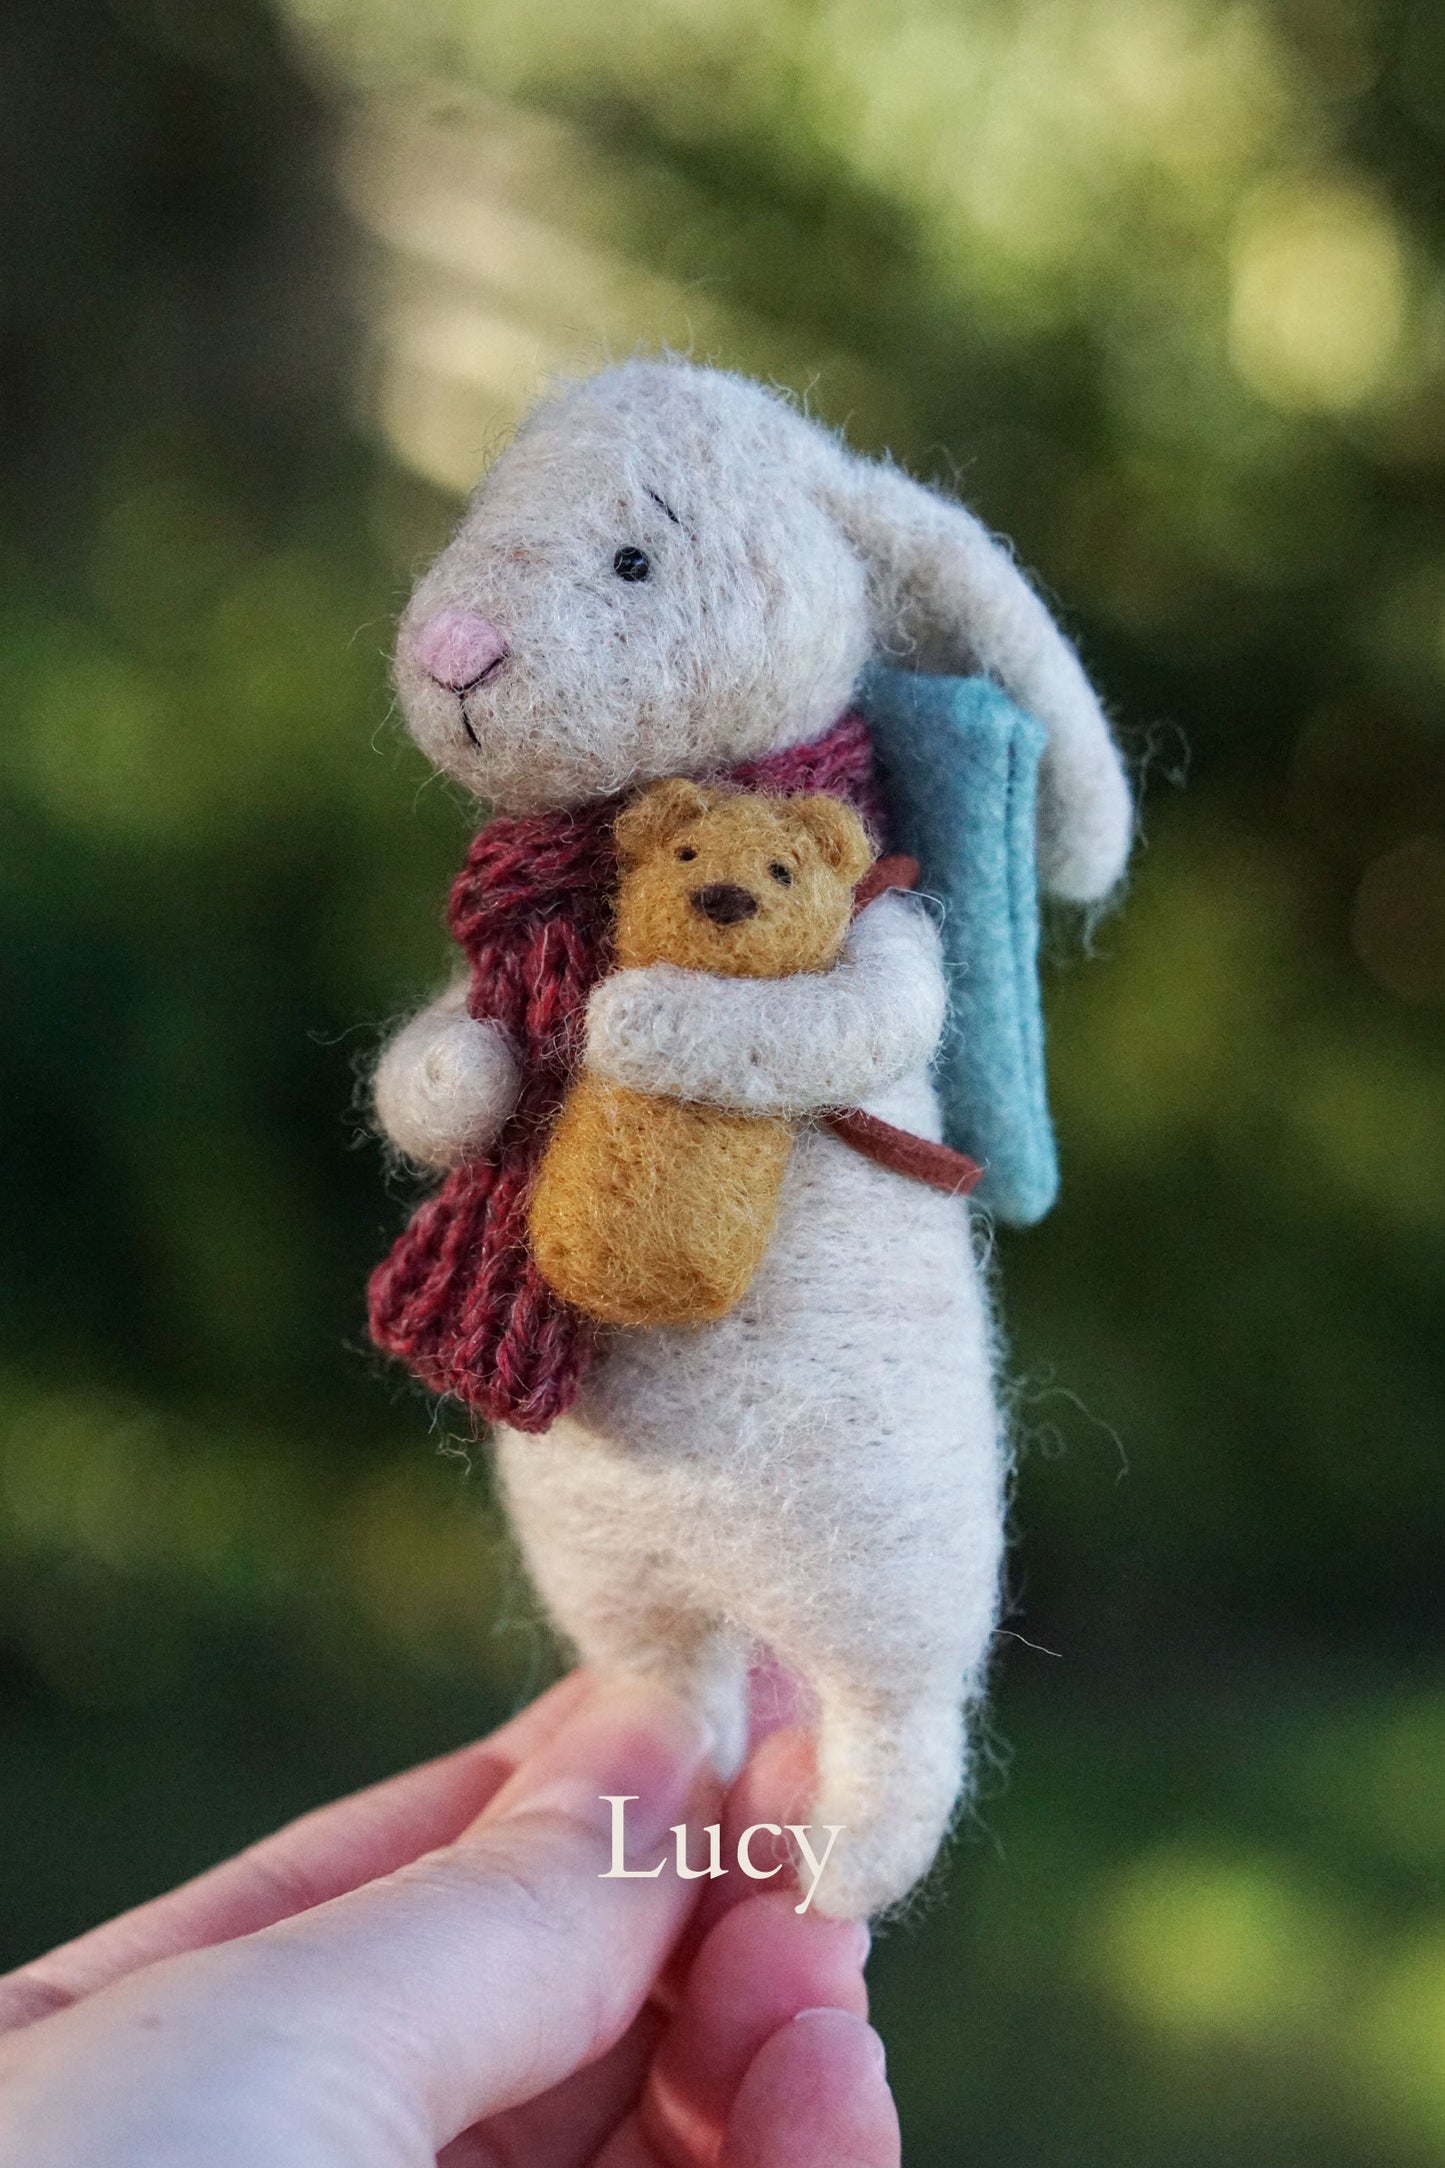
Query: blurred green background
x=1160 y=284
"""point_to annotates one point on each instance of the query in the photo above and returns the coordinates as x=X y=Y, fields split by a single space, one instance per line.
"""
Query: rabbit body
x=821 y=1473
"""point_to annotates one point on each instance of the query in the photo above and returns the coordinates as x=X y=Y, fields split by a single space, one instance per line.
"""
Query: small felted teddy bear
x=657 y=1211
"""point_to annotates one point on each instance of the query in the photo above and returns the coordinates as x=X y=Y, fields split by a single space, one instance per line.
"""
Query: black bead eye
x=687 y=854
x=631 y=564
x=781 y=874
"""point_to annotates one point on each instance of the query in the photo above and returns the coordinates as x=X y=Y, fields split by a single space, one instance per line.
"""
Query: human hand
x=437 y=1971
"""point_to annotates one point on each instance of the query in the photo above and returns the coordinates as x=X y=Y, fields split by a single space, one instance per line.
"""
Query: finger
x=322 y=1855
x=486 y=1973
x=762 y=1963
x=815 y=2096
x=566 y=2127
x=776 y=1786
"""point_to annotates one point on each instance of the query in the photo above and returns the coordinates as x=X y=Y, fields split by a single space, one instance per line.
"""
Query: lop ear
x=838 y=833
x=656 y=815
x=948 y=598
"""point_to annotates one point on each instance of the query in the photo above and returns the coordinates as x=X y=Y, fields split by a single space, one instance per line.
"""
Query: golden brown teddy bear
x=651 y=1211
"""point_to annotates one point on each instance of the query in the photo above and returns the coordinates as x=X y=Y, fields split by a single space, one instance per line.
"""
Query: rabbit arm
x=790 y=1046
x=445 y=1083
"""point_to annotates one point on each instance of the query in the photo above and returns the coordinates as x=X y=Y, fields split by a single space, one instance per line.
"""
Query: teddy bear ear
x=655 y=815
x=838 y=833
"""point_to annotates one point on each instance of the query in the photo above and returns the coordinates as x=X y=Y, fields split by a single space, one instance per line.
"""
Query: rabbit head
x=670 y=570
x=639 y=588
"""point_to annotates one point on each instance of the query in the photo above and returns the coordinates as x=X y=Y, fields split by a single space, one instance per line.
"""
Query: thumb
x=488 y=1971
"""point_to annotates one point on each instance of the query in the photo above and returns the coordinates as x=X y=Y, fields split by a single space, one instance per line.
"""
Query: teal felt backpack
x=960 y=765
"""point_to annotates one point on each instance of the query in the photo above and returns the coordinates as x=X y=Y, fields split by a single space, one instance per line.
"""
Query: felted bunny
x=650 y=1211
x=672 y=572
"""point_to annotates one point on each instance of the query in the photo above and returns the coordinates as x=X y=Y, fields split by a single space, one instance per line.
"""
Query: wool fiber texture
x=673 y=572
x=740 y=884
x=445 y=1084
x=653 y=1211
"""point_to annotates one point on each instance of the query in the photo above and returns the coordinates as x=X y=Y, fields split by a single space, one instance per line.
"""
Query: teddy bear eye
x=687 y=854
x=631 y=564
x=781 y=874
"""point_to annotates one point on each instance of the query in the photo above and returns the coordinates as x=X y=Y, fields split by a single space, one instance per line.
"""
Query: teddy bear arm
x=792 y=1046
x=445 y=1083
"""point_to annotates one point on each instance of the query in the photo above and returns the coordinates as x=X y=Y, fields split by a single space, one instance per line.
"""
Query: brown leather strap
x=902 y=1153
x=895 y=871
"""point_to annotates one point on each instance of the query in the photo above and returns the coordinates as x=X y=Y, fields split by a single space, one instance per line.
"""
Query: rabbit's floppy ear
x=948 y=599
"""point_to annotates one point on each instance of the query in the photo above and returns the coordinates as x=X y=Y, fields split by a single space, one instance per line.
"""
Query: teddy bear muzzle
x=725 y=903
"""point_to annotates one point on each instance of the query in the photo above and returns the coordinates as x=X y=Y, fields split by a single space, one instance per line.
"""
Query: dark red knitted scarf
x=459 y=1299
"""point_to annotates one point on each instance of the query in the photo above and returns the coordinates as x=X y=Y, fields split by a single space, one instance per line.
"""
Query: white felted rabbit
x=672 y=572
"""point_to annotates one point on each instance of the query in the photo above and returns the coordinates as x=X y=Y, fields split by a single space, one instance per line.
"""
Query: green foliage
x=1166 y=280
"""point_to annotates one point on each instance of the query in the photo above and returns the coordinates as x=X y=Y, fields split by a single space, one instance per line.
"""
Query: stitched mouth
x=490 y=672
x=482 y=678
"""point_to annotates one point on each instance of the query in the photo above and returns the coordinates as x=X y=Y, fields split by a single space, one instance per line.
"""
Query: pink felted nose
x=456 y=647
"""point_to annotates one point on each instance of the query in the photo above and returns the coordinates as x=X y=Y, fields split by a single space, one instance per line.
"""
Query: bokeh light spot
x=1317 y=308
x=1207 y=1947
x=97 y=730
x=1400 y=2041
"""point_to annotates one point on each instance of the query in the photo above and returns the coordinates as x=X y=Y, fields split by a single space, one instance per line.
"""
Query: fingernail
x=631 y=1740
x=875 y=2044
